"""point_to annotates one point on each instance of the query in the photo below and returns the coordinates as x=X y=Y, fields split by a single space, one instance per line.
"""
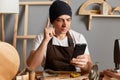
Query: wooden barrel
x=9 y=61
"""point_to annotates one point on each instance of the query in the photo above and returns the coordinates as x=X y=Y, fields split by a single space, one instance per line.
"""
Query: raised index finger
x=48 y=23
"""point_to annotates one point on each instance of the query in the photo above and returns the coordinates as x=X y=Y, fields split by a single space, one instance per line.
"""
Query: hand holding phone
x=79 y=50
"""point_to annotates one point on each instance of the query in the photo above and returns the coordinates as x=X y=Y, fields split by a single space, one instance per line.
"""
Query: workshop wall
x=100 y=38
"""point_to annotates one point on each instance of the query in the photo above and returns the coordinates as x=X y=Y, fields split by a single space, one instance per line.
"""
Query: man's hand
x=109 y=73
x=49 y=31
x=80 y=60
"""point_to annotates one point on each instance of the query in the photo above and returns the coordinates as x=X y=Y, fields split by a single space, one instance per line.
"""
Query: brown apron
x=58 y=57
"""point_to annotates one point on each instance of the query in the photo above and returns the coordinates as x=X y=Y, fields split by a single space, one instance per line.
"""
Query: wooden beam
x=26 y=37
x=38 y=3
x=3 y=31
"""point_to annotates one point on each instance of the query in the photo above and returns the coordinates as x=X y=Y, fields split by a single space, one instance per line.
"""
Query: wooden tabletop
x=60 y=76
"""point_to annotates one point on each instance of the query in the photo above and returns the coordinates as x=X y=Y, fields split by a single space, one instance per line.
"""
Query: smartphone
x=79 y=50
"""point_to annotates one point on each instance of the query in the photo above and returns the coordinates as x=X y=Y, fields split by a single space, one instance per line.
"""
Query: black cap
x=59 y=8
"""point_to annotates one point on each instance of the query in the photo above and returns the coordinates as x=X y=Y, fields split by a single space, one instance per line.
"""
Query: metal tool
x=117 y=55
x=94 y=73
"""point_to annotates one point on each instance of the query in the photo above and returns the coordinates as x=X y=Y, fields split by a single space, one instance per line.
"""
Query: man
x=54 y=49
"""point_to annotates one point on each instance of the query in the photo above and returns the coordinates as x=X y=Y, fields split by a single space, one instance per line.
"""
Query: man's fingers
x=53 y=31
x=48 y=23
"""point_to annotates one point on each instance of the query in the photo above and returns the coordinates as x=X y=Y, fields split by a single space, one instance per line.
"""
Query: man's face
x=62 y=24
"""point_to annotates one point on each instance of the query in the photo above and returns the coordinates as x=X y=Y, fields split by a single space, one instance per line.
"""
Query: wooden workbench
x=59 y=76
x=63 y=76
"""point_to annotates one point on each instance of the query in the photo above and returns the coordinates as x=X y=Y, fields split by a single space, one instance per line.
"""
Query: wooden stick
x=38 y=3
x=27 y=37
x=25 y=34
x=15 y=30
x=89 y=24
x=3 y=31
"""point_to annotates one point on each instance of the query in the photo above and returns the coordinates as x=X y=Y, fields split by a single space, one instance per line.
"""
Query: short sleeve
x=37 y=41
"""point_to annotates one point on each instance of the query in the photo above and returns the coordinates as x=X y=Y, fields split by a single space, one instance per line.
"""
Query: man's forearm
x=37 y=56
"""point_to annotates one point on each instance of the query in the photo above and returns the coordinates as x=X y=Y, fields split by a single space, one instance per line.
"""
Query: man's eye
x=59 y=20
x=68 y=19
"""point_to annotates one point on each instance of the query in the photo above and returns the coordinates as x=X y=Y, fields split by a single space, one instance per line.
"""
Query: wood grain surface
x=9 y=61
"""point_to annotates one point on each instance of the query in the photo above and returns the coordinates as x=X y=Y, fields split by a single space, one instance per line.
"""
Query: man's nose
x=64 y=23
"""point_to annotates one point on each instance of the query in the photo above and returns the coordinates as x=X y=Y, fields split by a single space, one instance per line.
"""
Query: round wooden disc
x=9 y=61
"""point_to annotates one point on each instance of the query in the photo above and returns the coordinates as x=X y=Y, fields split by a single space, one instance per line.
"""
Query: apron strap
x=70 y=40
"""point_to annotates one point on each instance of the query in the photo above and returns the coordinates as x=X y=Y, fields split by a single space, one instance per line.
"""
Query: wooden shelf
x=105 y=15
x=105 y=10
x=91 y=16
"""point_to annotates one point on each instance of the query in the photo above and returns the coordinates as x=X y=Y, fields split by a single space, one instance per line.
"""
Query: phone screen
x=79 y=50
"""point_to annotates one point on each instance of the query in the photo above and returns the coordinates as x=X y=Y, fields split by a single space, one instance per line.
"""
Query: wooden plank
x=89 y=24
x=25 y=34
x=26 y=37
x=106 y=16
x=3 y=31
x=15 y=30
x=38 y=3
